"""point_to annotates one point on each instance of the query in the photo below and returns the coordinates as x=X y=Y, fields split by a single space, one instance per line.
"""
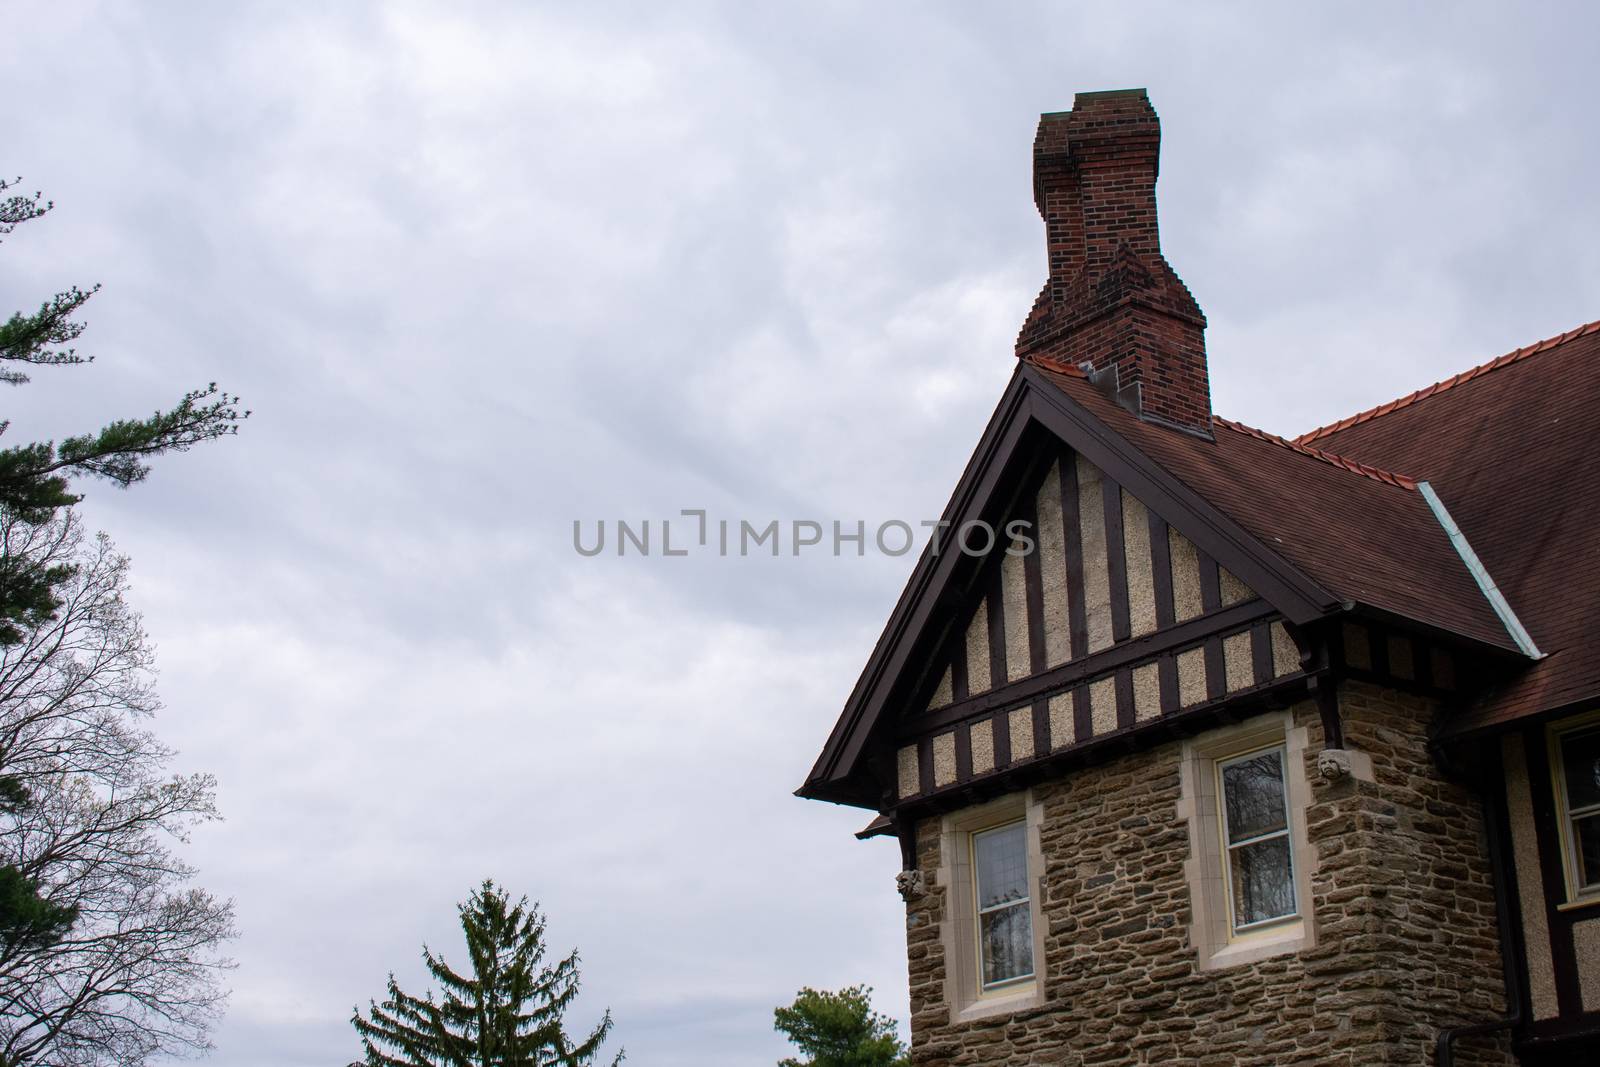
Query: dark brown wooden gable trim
x=1125 y=699
x=1033 y=581
x=1216 y=668
x=963 y=737
x=1501 y=654
x=1126 y=654
x=1271 y=576
x=905 y=832
x=1082 y=718
x=1161 y=568
x=1210 y=583
x=960 y=684
x=889 y=657
x=1049 y=761
x=1116 y=558
x=1167 y=673
x=952 y=650
x=931 y=673
x=1042 y=742
x=1378 y=650
x=1002 y=739
x=996 y=595
x=1072 y=539
x=1261 y=663
x=1380 y=671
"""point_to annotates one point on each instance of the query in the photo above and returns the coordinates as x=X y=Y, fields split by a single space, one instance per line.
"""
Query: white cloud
x=485 y=269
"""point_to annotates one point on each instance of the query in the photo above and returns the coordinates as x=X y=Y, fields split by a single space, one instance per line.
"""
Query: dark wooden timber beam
x=1048 y=764
x=1125 y=654
x=1317 y=660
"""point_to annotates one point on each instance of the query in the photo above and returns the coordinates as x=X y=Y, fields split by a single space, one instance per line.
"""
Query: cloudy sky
x=482 y=270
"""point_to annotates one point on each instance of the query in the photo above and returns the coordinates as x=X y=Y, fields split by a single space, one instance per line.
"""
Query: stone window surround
x=1211 y=933
x=958 y=929
x=1572 y=897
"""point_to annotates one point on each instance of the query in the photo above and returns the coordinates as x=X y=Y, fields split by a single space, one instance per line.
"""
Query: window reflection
x=1256 y=838
x=1005 y=923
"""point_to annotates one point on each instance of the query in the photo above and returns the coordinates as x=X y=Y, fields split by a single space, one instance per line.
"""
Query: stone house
x=1232 y=748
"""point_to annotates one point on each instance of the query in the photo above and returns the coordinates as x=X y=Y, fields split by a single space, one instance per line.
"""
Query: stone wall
x=1401 y=899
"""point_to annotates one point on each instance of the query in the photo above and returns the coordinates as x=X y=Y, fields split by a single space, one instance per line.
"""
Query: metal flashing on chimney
x=1108 y=380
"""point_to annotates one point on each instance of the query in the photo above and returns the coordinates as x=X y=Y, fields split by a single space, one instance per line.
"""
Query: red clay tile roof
x=1316 y=453
x=1511 y=448
x=1362 y=533
x=1437 y=387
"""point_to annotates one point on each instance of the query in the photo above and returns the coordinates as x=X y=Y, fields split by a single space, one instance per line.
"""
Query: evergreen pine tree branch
x=18 y=208
x=36 y=478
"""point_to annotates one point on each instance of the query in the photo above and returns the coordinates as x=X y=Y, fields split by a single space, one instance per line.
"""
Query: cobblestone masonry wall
x=1402 y=900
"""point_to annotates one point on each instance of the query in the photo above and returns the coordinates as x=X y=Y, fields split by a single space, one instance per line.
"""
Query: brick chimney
x=1112 y=305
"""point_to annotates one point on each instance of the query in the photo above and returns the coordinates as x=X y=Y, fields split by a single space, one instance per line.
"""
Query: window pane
x=1586 y=839
x=1263 y=881
x=1253 y=789
x=1580 y=754
x=1001 y=857
x=1007 y=944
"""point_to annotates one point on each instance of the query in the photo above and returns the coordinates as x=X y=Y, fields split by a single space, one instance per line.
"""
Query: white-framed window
x=1244 y=795
x=1257 y=846
x=990 y=867
x=1003 y=902
x=1575 y=766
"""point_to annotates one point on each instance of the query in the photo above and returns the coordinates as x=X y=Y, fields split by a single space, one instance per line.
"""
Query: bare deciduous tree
x=123 y=962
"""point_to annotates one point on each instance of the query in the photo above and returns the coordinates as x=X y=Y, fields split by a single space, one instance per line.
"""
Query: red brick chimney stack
x=1112 y=303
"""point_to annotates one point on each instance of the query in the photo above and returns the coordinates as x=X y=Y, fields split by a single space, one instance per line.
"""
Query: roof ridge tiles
x=1052 y=364
x=1439 y=387
x=1365 y=470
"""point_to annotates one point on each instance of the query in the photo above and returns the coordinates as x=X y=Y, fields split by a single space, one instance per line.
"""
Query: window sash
x=1579 y=869
x=1229 y=847
x=980 y=912
x=1009 y=979
x=1572 y=855
x=1002 y=907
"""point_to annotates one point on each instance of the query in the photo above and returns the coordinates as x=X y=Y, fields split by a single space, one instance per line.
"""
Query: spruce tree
x=506 y=1012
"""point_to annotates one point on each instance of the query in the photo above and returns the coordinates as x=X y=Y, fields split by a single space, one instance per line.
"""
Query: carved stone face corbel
x=1333 y=764
x=911 y=885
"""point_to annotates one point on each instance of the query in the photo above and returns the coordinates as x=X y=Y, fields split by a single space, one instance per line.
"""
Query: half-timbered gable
x=1205 y=745
x=1098 y=617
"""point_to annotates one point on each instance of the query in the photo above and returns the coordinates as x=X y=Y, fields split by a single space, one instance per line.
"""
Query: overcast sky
x=481 y=270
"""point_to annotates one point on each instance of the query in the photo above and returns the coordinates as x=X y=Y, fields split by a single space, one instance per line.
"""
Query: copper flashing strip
x=1480 y=574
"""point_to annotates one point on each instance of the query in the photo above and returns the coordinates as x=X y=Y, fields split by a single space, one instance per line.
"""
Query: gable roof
x=1360 y=531
x=1310 y=532
x=1510 y=447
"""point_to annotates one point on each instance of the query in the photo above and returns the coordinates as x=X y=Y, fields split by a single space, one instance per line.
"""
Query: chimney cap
x=1079 y=99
